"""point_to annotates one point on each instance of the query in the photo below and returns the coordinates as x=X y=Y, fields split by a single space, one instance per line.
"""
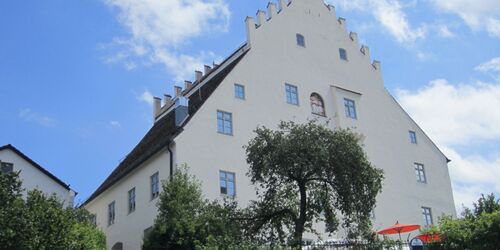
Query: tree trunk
x=301 y=221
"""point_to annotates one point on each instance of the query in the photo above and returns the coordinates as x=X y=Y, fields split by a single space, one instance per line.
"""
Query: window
x=227 y=186
x=427 y=214
x=155 y=186
x=93 y=219
x=111 y=213
x=224 y=123
x=350 y=108
x=131 y=200
x=239 y=91
x=317 y=105
x=6 y=167
x=301 y=40
x=292 y=96
x=343 y=54
x=420 y=173
x=413 y=137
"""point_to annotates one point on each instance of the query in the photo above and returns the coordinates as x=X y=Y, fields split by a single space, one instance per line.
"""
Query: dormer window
x=343 y=54
x=301 y=40
x=317 y=104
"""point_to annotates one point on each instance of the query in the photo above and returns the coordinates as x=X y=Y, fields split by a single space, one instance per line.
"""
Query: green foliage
x=41 y=222
x=478 y=229
x=307 y=172
x=187 y=221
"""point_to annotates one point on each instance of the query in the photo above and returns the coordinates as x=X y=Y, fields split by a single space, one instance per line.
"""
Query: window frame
x=237 y=93
x=413 y=136
x=111 y=213
x=6 y=167
x=420 y=172
x=226 y=180
x=427 y=216
x=301 y=40
x=155 y=185
x=343 y=54
x=322 y=106
x=131 y=200
x=350 y=110
x=224 y=120
x=289 y=94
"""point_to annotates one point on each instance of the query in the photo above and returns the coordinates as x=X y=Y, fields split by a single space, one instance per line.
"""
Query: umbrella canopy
x=428 y=238
x=399 y=228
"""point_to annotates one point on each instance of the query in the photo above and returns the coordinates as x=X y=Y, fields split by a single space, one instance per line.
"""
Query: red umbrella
x=399 y=228
x=427 y=238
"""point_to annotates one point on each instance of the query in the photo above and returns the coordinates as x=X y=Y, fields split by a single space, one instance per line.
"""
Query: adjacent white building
x=299 y=63
x=34 y=176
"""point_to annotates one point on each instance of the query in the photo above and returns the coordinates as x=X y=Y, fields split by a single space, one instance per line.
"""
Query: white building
x=298 y=63
x=34 y=176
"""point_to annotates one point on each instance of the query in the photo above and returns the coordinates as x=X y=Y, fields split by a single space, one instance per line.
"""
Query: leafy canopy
x=306 y=173
x=42 y=222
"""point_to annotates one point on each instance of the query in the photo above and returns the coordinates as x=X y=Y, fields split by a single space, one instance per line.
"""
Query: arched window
x=317 y=105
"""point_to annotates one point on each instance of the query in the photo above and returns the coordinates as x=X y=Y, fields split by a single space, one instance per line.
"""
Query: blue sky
x=76 y=77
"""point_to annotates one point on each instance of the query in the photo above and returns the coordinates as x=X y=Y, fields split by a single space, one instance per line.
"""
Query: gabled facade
x=34 y=176
x=298 y=63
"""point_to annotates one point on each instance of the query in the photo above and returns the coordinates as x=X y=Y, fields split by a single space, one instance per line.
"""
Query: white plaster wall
x=129 y=228
x=275 y=59
x=32 y=178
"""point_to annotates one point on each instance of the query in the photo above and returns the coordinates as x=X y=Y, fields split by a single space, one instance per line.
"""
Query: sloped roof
x=165 y=130
x=36 y=165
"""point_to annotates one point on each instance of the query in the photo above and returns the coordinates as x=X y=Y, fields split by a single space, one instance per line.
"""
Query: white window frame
x=413 y=136
x=420 y=172
x=155 y=185
x=239 y=94
x=292 y=94
x=350 y=108
x=131 y=200
x=427 y=216
x=111 y=213
x=226 y=180
x=224 y=118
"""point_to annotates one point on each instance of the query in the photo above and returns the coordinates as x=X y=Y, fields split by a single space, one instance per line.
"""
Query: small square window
x=6 y=167
x=224 y=123
x=131 y=200
x=111 y=213
x=292 y=95
x=420 y=173
x=239 y=91
x=155 y=186
x=350 y=108
x=227 y=183
x=427 y=216
x=343 y=54
x=93 y=219
x=413 y=137
x=301 y=40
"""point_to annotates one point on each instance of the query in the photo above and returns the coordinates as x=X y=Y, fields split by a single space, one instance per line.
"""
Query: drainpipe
x=171 y=162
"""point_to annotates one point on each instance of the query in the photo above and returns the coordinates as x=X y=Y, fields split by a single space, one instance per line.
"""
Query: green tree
x=306 y=173
x=13 y=223
x=478 y=229
x=188 y=221
x=42 y=222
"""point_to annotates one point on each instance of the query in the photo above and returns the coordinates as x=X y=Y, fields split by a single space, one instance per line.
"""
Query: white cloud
x=146 y=97
x=477 y=14
x=115 y=124
x=491 y=66
x=461 y=116
x=390 y=14
x=30 y=116
x=158 y=28
x=445 y=32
